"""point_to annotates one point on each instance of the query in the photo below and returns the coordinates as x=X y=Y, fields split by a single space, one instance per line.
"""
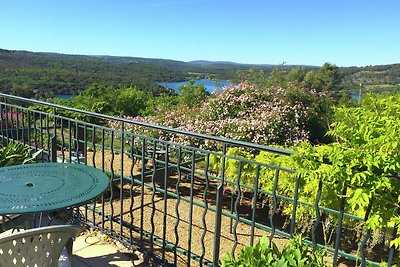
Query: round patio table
x=48 y=186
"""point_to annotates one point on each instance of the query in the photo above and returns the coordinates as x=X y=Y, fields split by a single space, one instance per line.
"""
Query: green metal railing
x=168 y=199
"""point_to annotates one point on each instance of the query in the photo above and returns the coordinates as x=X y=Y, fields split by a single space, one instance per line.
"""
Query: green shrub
x=364 y=160
x=294 y=253
x=15 y=153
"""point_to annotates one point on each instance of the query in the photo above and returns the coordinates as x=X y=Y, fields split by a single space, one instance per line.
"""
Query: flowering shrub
x=9 y=119
x=246 y=112
x=255 y=114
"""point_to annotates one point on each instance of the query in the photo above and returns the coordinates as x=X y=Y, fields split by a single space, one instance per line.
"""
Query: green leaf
x=395 y=243
x=374 y=222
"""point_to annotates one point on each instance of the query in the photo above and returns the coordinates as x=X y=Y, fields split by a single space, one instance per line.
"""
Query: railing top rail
x=158 y=127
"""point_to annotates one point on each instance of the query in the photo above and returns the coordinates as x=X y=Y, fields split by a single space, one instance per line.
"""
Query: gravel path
x=153 y=207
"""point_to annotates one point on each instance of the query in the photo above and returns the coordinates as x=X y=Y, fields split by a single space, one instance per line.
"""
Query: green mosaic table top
x=48 y=186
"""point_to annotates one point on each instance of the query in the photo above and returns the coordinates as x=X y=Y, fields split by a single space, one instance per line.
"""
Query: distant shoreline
x=210 y=85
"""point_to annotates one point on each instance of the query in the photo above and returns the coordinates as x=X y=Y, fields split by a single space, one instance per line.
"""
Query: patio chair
x=38 y=247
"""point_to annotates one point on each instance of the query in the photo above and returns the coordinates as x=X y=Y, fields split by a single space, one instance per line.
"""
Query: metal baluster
x=85 y=143
x=232 y=207
x=94 y=166
x=178 y=201
x=238 y=196
x=62 y=140
x=48 y=137
x=2 y=125
x=367 y=235
x=85 y=162
x=103 y=169
x=193 y=159
x=23 y=127
x=295 y=201
x=54 y=138
x=121 y=183
x=70 y=141
x=17 y=122
x=103 y=147
x=112 y=180
x=340 y=222
x=153 y=195
x=131 y=152
x=76 y=143
x=94 y=146
x=41 y=130
x=318 y=215
x=142 y=191
x=165 y=198
x=84 y=154
x=11 y=123
x=274 y=206
x=205 y=200
x=254 y=205
x=218 y=212
x=29 y=127
x=34 y=131
x=7 y=122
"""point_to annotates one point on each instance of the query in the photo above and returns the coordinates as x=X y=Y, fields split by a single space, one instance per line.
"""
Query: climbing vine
x=364 y=158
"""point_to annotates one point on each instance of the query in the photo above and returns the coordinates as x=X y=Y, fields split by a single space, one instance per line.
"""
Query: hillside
x=50 y=74
x=373 y=78
x=45 y=74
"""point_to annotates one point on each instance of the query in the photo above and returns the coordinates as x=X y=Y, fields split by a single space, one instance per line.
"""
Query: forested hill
x=373 y=78
x=45 y=74
x=56 y=73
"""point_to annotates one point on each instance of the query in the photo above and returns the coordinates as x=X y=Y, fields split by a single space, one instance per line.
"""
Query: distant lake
x=210 y=85
x=356 y=96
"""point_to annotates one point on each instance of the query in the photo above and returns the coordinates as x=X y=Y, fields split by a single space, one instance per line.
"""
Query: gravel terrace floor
x=203 y=222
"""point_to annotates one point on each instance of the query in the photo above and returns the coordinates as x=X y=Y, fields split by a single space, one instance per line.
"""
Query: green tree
x=159 y=105
x=111 y=100
x=295 y=75
x=129 y=101
x=192 y=94
x=327 y=78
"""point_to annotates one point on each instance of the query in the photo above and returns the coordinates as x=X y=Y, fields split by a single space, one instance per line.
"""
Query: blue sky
x=309 y=32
